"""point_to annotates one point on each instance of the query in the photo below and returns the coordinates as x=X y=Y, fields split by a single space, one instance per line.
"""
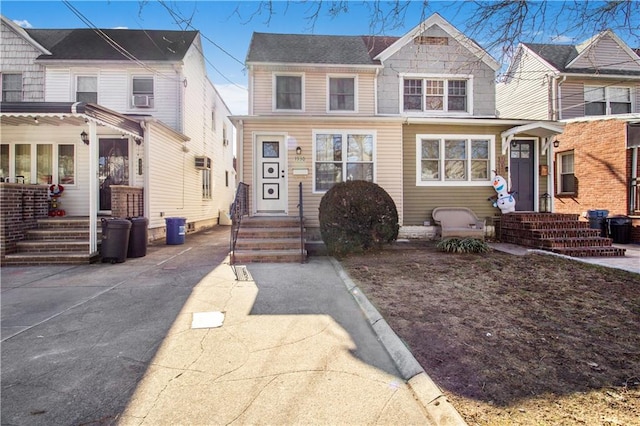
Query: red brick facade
x=602 y=168
x=20 y=208
x=127 y=201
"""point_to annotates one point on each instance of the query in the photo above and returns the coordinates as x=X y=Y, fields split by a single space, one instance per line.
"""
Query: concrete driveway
x=76 y=340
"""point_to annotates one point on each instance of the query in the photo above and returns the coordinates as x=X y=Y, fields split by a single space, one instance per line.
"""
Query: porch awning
x=539 y=129
x=73 y=113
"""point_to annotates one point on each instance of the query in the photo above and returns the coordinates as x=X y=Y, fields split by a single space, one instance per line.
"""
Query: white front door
x=271 y=174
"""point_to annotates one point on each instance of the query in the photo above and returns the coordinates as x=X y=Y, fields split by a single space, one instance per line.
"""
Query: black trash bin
x=597 y=220
x=619 y=229
x=115 y=240
x=138 y=237
x=176 y=230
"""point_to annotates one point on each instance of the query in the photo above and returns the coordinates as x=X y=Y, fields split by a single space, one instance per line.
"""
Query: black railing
x=301 y=216
x=634 y=196
x=239 y=208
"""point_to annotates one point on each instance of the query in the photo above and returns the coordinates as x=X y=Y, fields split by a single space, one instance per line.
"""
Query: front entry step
x=274 y=239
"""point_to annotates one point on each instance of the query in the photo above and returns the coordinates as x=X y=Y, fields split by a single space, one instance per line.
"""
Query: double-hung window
x=206 y=184
x=450 y=160
x=11 y=87
x=566 y=177
x=340 y=156
x=288 y=92
x=142 y=92
x=600 y=100
x=342 y=94
x=436 y=94
x=87 y=89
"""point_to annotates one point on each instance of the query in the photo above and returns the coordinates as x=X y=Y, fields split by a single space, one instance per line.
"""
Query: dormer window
x=142 y=96
x=436 y=95
x=288 y=92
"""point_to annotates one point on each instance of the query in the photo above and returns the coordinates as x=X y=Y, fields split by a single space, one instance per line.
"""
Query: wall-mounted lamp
x=514 y=144
x=85 y=137
x=298 y=151
x=556 y=143
x=138 y=141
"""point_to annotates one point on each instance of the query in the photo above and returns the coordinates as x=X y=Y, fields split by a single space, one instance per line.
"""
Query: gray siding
x=18 y=56
x=428 y=59
x=607 y=54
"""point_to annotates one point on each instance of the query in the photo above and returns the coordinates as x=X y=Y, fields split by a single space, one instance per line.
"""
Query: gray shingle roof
x=316 y=49
x=87 y=44
x=559 y=56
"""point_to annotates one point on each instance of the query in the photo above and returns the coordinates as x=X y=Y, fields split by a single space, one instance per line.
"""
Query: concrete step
x=268 y=256
x=268 y=244
x=268 y=233
x=271 y=222
x=62 y=258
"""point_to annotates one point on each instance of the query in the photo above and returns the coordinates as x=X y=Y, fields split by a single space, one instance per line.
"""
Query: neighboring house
x=153 y=121
x=415 y=114
x=593 y=88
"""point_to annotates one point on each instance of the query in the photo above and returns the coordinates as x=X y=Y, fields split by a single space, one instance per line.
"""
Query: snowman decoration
x=504 y=199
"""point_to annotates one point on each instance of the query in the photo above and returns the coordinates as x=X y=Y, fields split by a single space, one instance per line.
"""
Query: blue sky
x=226 y=27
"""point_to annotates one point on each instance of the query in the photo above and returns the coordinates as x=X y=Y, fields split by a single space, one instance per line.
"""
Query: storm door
x=521 y=169
x=113 y=168
x=271 y=191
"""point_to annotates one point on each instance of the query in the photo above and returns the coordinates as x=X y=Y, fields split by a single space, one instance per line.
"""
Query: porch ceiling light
x=85 y=137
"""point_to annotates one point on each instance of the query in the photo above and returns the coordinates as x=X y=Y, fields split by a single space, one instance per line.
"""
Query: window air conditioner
x=203 y=163
x=142 y=101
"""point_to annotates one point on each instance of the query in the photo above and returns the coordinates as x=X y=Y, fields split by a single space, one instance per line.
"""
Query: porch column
x=93 y=187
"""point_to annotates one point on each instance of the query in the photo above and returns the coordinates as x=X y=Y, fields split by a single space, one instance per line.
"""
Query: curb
x=424 y=389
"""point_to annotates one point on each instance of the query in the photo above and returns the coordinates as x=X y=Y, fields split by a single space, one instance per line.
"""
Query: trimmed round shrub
x=356 y=217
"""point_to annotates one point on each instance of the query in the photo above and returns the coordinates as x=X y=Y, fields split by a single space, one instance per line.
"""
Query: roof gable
x=22 y=33
x=114 y=44
x=438 y=20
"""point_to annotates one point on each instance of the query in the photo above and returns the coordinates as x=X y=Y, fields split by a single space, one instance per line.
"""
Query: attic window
x=433 y=41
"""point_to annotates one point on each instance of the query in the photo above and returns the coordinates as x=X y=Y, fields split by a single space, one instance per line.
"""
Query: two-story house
x=121 y=111
x=593 y=89
x=415 y=114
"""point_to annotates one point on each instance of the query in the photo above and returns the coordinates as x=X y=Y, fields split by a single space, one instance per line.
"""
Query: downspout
x=375 y=92
x=240 y=148
x=634 y=178
x=556 y=82
x=146 y=155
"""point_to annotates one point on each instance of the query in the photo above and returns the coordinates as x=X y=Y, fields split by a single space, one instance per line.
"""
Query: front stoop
x=556 y=232
x=269 y=239
x=56 y=241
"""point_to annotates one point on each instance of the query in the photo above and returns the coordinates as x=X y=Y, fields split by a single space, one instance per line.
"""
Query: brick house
x=593 y=89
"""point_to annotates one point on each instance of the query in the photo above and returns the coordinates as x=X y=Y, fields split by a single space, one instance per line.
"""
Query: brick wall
x=127 y=201
x=20 y=208
x=601 y=167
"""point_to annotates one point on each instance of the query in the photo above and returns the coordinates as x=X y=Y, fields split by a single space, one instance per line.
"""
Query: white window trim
x=21 y=83
x=355 y=94
x=33 y=160
x=559 y=155
x=154 y=96
x=414 y=76
x=75 y=87
x=607 y=97
x=442 y=182
x=274 y=91
x=344 y=133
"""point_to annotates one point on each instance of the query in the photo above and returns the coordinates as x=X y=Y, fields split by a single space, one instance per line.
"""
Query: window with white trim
x=11 y=87
x=288 y=92
x=206 y=184
x=566 y=176
x=142 y=92
x=340 y=156
x=436 y=95
x=342 y=93
x=601 y=100
x=87 y=89
x=450 y=160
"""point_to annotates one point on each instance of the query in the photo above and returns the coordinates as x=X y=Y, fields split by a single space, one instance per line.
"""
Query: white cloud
x=24 y=23
x=561 y=39
x=236 y=97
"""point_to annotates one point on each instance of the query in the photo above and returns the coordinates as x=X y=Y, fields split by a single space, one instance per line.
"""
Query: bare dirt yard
x=514 y=340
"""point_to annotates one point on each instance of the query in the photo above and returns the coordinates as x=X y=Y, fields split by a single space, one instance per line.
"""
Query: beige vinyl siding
x=419 y=201
x=525 y=93
x=314 y=90
x=387 y=168
x=607 y=54
x=18 y=56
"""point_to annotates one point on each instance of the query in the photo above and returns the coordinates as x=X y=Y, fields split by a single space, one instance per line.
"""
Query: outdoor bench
x=459 y=222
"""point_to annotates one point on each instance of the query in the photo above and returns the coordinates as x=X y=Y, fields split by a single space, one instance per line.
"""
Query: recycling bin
x=619 y=229
x=138 y=237
x=597 y=220
x=115 y=240
x=176 y=230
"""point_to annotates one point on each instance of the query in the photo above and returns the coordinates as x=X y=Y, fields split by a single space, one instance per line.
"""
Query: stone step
x=268 y=244
x=66 y=258
x=268 y=233
x=60 y=233
x=48 y=246
x=268 y=256
x=566 y=233
x=575 y=242
x=271 y=222
x=64 y=222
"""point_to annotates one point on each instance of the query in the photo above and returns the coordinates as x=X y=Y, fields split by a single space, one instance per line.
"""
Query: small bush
x=357 y=216
x=464 y=245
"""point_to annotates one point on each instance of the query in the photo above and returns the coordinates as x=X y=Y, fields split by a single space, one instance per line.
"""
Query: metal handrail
x=239 y=208
x=301 y=215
